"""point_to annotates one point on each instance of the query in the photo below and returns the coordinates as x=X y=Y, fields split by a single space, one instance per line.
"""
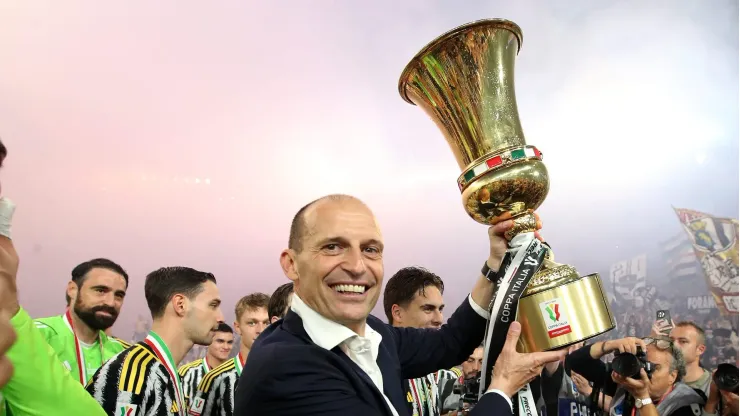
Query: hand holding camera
x=638 y=386
x=625 y=345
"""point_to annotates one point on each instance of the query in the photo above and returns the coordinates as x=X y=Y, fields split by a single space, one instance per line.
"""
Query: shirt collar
x=326 y=333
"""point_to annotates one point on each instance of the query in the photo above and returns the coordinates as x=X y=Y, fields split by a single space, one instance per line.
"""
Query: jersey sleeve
x=121 y=383
x=38 y=374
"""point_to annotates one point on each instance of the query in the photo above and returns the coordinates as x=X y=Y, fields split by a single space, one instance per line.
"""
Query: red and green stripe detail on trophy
x=498 y=161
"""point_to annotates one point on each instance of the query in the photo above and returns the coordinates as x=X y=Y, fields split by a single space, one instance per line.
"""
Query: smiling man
x=330 y=357
x=95 y=293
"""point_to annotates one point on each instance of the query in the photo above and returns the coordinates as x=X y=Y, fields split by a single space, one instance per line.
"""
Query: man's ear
x=180 y=304
x=236 y=328
x=72 y=291
x=397 y=314
x=289 y=264
x=274 y=319
x=673 y=376
x=701 y=348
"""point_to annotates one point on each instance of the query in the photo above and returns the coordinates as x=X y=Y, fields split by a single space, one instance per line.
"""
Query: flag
x=680 y=261
x=715 y=242
x=628 y=276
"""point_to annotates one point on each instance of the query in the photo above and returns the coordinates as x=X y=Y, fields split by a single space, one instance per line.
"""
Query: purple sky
x=189 y=132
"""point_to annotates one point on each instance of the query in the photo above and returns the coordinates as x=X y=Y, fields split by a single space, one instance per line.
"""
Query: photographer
x=567 y=393
x=651 y=387
x=723 y=397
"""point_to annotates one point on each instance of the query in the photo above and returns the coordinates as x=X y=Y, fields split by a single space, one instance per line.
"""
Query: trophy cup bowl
x=464 y=81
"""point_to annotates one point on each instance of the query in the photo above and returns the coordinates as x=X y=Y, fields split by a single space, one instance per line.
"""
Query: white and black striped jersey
x=135 y=383
x=427 y=395
x=191 y=374
x=215 y=394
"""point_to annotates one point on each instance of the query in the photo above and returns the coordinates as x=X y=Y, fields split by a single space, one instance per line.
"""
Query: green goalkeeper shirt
x=58 y=333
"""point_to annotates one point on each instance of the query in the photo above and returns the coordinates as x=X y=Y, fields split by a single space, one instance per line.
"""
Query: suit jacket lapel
x=392 y=384
x=365 y=378
x=294 y=324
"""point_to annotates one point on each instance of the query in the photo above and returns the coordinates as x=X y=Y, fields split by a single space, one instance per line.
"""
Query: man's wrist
x=493 y=263
x=502 y=386
x=643 y=396
x=490 y=270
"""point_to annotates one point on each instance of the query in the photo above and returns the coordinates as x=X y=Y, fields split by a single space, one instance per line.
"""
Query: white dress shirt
x=363 y=351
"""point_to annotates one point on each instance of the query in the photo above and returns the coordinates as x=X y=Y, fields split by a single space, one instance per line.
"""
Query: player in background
x=215 y=395
x=218 y=352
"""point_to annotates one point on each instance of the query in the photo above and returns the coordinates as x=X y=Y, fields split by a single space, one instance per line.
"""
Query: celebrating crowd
x=312 y=347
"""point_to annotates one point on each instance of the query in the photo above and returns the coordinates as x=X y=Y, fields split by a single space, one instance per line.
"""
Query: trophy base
x=563 y=315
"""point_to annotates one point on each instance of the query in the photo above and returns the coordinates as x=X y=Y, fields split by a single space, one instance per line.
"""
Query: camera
x=726 y=378
x=468 y=390
x=629 y=365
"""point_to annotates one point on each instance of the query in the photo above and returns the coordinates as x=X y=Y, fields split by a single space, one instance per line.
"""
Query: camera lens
x=626 y=365
x=726 y=378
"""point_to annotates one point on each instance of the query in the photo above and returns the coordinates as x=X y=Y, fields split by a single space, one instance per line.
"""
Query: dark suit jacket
x=287 y=374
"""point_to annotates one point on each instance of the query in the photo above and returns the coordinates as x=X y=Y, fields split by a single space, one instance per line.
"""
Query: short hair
x=164 y=283
x=224 y=327
x=251 y=302
x=279 y=300
x=678 y=363
x=405 y=284
x=79 y=273
x=699 y=331
x=298 y=225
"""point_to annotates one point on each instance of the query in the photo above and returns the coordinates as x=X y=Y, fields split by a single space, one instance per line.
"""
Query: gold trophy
x=464 y=81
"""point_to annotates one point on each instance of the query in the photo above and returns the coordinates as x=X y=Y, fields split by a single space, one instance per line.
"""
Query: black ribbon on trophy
x=464 y=81
x=519 y=266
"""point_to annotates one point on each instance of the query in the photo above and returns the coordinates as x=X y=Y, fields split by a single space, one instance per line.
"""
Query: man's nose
x=437 y=318
x=354 y=262
x=220 y=315
x=477 y=366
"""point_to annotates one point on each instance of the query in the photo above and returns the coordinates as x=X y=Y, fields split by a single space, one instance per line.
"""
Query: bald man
x=329 y=356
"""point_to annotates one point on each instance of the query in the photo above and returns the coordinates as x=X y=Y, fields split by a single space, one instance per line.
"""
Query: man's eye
x=333 y=247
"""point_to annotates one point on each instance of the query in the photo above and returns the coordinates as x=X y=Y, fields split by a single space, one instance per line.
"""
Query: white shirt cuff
x=480 y=311
x=497 y=391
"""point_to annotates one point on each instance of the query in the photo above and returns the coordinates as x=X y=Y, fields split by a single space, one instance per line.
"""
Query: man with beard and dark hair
x=96 y=292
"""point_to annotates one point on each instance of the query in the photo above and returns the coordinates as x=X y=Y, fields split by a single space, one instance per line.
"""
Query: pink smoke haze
x=189 y=132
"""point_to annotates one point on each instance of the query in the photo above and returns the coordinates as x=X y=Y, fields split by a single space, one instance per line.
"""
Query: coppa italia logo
x=125 y=409
x=555 y=318
x=554 y=311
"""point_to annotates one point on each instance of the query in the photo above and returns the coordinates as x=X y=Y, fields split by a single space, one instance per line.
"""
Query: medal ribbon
x=239 y=362
x=205 y=364
x=81 y=367
x=165 y=357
